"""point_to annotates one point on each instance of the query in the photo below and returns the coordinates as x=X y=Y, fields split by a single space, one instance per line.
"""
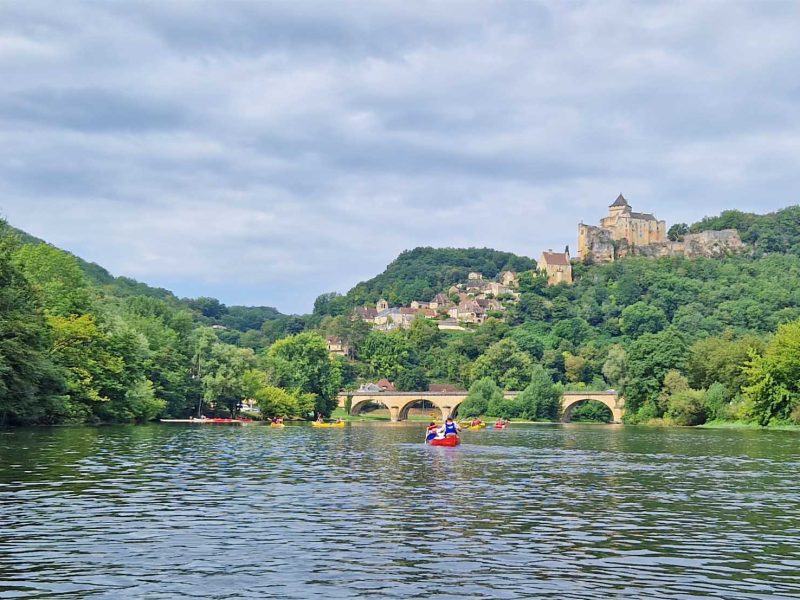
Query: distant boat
x=202 y=421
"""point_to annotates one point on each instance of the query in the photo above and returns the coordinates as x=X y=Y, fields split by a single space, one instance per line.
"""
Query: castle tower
x=619 y=207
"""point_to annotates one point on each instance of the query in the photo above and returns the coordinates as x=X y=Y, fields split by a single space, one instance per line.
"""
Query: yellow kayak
x=315 y=424
x=277 y=425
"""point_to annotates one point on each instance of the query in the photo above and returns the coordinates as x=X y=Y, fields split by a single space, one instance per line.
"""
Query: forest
x=685 y=341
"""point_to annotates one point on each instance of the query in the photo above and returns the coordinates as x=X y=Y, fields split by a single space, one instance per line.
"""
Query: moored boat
x=208 y=421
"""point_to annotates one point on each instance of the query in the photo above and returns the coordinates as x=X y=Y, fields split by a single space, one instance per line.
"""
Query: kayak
x=474 y=427
x=451 y=441
x=277 y=425
x=315 y=424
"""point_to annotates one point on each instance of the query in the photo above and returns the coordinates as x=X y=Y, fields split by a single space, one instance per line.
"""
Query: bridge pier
x=394 y=413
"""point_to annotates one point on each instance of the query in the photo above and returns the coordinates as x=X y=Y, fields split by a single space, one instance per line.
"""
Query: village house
x=557 y=266
x=475 y=276
x=509 y=279
x=337 y=347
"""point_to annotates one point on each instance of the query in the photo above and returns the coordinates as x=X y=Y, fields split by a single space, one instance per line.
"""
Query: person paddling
x=450 y=427
x=432 y=431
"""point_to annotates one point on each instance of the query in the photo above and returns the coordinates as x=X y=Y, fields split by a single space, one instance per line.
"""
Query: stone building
x=626 y=233
x=557 y=267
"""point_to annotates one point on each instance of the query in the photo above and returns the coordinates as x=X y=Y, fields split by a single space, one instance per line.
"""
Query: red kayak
x=451 y=441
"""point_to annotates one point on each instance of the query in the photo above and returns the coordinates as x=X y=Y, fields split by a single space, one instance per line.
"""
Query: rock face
x=600 y=247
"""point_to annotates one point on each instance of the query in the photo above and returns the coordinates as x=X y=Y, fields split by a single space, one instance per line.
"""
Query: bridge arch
x=611 y=399
x=358 y=406
x=402 y=415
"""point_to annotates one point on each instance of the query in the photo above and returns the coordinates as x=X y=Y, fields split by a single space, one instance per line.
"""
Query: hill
x=420 y=274
x=773 y=232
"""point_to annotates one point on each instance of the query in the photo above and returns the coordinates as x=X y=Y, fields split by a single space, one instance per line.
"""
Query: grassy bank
x=779 y=426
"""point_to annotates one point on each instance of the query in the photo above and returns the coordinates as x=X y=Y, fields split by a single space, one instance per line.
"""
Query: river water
x=568 y=511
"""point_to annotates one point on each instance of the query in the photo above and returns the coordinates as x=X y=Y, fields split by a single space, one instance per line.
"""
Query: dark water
x=368 y=512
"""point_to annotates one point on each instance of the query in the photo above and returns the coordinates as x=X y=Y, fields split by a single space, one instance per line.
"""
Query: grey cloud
x=267 y=152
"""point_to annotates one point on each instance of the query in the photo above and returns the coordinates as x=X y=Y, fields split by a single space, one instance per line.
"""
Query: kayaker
x=450 y=427
x=319 y=418
x=431 y=432
x=476 y=422
x=499 y=424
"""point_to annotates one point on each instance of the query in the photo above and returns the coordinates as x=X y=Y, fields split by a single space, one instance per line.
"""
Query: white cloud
x=268 y=152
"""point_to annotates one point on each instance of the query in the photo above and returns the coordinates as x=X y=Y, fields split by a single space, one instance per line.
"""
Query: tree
x=505 y=364
x=412 y=379
x=481 y=394
x=387 y=354
x=640 y=318
x=424 y=334
x=30 y=386
x=223 y=381
x=57 y=276
x=722 y=359
x=648 y=360
x=540 y=401
x=677 y=231
x=773 y=389
x=301 y=364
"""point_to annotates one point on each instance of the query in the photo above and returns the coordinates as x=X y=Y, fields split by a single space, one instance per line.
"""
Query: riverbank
x=749 y=425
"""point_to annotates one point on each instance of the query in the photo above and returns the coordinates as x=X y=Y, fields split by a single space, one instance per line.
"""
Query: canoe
x=208 y=421
x=315 y=424
x=451 y=441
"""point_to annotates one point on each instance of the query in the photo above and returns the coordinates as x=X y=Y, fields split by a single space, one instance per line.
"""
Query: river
x=563 y=511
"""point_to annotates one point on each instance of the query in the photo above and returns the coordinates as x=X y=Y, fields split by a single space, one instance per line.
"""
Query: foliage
x=773 y=390
x=540 y=401
x=483 y=393
x=505 y=364
x=301 y=364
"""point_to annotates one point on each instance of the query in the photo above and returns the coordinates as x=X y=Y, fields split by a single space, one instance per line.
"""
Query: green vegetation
x=78 y=345
x=686 y=341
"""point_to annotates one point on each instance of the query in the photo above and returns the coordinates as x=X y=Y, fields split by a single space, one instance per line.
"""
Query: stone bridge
x=399 y=403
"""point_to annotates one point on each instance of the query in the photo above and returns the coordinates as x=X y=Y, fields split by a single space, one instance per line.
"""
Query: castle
x=627 y=233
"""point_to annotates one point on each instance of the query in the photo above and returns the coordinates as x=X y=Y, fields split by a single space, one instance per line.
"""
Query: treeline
x=87 y=347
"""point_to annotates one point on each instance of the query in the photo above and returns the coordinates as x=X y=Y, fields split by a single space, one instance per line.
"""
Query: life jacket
x=450 y=428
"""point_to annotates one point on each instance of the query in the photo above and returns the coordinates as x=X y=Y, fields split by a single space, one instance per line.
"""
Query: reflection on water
x=368 y=511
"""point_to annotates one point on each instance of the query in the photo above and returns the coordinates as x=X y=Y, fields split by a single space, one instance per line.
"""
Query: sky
x=266 y=152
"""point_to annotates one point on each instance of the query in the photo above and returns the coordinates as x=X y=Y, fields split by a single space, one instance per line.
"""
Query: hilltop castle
x=627 y=233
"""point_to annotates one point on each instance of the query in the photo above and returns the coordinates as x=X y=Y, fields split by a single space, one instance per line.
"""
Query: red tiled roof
x=556 y=258
x=386 y=384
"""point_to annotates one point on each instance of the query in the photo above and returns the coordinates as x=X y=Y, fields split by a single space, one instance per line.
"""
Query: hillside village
x=621 y=234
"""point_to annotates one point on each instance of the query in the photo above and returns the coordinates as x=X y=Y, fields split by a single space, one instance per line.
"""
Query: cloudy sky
x=266 y=152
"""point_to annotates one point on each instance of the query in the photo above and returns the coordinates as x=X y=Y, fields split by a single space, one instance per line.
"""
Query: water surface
x=575 y=511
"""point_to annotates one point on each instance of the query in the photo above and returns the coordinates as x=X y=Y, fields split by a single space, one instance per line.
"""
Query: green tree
x=58 y=277
x=301 y=364
x=721 y=359
x=412 y=379
x=648 y=360
x=773 y=389
x=387 y=354
x=29 y=384
x=481 y=394
x=505 y=364
x=540 y=401
x=640 y=318
x=223 y=381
